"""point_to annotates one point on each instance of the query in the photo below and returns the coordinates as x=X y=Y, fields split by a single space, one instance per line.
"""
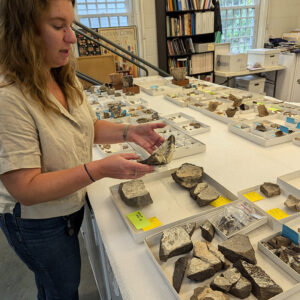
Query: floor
x=17 y=282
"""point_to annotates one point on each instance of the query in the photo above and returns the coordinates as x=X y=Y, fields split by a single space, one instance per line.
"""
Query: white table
x=231 y=160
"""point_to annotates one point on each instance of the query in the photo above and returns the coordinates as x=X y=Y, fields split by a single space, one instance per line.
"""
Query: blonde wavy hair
x=22 y=59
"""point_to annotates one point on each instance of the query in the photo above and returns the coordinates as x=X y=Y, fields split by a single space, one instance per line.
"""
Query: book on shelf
x=182 y=5
x=201 y=63
x=204 y=22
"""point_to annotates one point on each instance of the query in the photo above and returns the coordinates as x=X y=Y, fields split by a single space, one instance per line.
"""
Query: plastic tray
x=290 y=182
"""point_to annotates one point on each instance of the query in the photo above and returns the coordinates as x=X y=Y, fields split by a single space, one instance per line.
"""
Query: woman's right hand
x=121 y=166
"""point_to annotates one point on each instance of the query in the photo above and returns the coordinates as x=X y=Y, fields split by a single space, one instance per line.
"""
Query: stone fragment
x=238 y=247
x=201 y=251
x=190 y=228
x=163 y=154
x=244 y=106
x=199 y=270
x=206 y=293
x=217 y=253
x=230 y=112
x=295 y=264
x=212 y=105
x=237 y=102
x=220 y=283
x=174 y=241
x=242 y=288
x=207 y=230
x=204 y=193
x=270 y=189
x=188 y=175
x=134 y=193
x=262 y=111
x=233 y=275
x=279 y=133
x=261 y=128
x=281 y=241
x=263 y=287
x=292 y=203
x=179 y=271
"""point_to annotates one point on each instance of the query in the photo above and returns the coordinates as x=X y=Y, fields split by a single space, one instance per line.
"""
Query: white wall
x=283 y=16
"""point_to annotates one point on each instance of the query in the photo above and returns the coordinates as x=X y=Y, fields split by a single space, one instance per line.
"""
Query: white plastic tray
x=171 y=203
x=272 y=202
x=293 y=224
x=290 y=182
x=178 y=118
x=287 y=283
x=116 y=149
x=188 y=128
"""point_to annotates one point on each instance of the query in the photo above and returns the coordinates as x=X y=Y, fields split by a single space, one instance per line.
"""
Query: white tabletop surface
x=248 y=72
x=231 y=160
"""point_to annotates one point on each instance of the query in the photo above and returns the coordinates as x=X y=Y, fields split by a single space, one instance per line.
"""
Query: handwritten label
x=253 y=196
x=284 y=129
x=277 y=213
x=138 y=220
x=154 y=222
x=220 y=201
x=291 y=234
x=290 y=120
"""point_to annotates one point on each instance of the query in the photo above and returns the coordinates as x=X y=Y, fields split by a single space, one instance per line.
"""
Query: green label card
x=138 y=220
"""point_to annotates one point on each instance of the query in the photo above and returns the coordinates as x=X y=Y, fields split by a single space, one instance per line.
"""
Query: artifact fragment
x=199 y=270
x=270 y=189
x=220 y=283
x=292 y=203
x=134 y=193
x=230 y=112
x=262 y=111
x=242 y=288
x=196 y=125
x=163 y=154
x=263 y=287
x=179 y=271
x=261 y=128
x=279 y=133
x=218 y=254
x=128 y=81
x=188 y=175
x=244 y=106
x=190 y=228
x=178 y=73
x=206 y=293
x=201 y=251
x=212 y=105
x=238 y=247
x=174 y=241
x=237 y=102
x=204 y=193
x=207 y=230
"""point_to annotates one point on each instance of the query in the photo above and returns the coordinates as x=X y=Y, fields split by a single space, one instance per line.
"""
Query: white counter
x=231 y=160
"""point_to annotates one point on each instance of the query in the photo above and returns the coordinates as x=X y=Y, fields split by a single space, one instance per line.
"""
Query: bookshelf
x=185 y=35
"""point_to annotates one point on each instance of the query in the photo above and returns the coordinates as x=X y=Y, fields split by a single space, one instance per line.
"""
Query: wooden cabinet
x=185 y=37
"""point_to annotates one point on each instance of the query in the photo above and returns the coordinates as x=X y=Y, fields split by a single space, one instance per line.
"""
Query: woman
x=47 y=130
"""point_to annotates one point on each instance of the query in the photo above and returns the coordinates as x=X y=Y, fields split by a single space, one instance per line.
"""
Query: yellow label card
x=154 y=223
x=253 y=196
x=277 y=213
x=138 y=220
x=273 y=108
x=220 y=201
x=260 y=103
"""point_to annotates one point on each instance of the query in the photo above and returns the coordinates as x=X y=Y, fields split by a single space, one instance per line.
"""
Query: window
x=239 y=22
x=104 y=13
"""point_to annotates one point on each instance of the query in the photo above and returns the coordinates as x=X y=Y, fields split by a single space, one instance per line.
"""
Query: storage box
x=265 y=57
x=204 y=47
x=250 y=83
x=231 y=62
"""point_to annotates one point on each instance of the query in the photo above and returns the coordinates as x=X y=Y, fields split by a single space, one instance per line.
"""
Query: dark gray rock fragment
x=270 y=189
x=220 y=283
x=263 y=287
x=188 y=175
x=174 y=241
x=262 y=111
x=134 y=193
x=179 y=271
x=242 y=288
x=163 y=154
x=233 y=275
x=190 y=228
x=207 y=230
x=199 y=270
x=238 y=247
x=230 y=112
x=206 y=293
x=204 y=193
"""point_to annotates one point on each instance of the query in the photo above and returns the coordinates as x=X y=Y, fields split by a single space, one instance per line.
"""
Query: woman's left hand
x=145 y=136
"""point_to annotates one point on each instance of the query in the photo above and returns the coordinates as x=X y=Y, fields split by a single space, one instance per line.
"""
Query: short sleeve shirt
x=33 y=138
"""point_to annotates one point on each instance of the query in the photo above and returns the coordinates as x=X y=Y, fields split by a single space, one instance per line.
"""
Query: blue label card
x=290 y=120
x=291 y=234
x=284 y=129
x=298 y=125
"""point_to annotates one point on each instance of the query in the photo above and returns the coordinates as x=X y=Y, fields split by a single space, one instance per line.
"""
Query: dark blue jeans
x=48 y=248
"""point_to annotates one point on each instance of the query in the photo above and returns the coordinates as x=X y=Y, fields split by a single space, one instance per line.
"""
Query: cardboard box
x=251 y=83
x=265 y=57
x=204 y=47
x=231 y=62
